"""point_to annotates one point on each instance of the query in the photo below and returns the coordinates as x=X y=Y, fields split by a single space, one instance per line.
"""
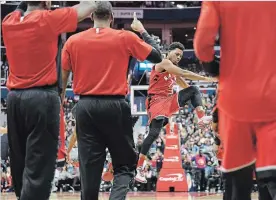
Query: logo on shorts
x=172 y=177
x=172 y=159
x=172 y=136
x=172 y=147
x=167 y=77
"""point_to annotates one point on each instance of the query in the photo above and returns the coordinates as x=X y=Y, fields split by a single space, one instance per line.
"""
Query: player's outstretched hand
x=136 y=24
x=211 y=79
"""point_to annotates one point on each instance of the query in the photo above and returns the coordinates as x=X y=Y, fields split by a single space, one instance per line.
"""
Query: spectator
x=214 y=180
x=200 y=161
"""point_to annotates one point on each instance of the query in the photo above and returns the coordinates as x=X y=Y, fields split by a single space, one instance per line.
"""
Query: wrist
x=142 y=31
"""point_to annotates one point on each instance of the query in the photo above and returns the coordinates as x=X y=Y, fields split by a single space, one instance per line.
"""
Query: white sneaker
x=203 y=121
x=140 y=176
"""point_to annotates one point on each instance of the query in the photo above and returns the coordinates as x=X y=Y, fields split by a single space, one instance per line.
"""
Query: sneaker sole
x=139 y=180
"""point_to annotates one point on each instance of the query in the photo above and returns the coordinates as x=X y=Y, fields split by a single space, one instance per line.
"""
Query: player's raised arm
x=138 y=47
x=173 y=69
x=84 y=9
x=22 y=6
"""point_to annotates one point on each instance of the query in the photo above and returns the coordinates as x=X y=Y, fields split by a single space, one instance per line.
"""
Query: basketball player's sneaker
x=140 y=176
x=204 y=121
x=108 y=174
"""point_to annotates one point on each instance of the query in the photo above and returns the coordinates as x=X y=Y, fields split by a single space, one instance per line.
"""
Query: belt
x=102 y=97
x=44 y=87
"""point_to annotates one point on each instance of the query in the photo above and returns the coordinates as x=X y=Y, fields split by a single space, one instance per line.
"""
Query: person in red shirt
x=99 y=59
x=162 y=102
x=201 y=163
x=247 y=77
x=30 y=35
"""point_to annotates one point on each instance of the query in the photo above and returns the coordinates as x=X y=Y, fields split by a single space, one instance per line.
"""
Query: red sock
x=141 y=161
x=200 y=113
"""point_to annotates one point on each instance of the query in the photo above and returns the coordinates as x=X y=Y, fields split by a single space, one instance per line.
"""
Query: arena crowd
x=197 y=150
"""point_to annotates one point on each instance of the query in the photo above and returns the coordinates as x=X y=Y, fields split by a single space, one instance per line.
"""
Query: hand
x=211 y=79
x=3 y=130
x=136 y=24
x=68 y=158
x=90 y=3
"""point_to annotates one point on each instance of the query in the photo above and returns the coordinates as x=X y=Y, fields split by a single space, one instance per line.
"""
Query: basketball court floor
x=137 y=196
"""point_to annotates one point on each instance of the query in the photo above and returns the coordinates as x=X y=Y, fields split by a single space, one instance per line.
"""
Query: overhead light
x=194 y=28
x=172 y=2
x=179 y=6
x=186 y=35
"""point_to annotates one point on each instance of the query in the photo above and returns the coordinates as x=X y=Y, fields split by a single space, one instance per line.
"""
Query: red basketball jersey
x=161 y=83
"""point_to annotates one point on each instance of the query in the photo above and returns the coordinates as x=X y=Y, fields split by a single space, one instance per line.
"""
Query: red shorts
x=160 y=106
x=61 y=149
x=246 y=143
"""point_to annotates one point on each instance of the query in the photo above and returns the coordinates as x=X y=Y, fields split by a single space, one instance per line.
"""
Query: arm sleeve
x=22 y=6
x=207 y=30
x=149 y=40
x=62 y=20
x=155 y=55
x=136 y=47
x=65 y=57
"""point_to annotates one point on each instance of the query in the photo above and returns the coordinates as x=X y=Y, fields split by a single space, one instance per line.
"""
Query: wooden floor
x=136 y=196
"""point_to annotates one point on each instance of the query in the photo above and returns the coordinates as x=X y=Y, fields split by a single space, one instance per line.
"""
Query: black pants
x=105 y=122
x=238 y=184
x=227 y=186
x=202 y=180
x=33 y=132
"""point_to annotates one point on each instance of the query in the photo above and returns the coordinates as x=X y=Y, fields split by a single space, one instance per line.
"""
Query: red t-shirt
x=200 y=161
x=31 y=45
x=99 y=59
x=247 y=77
x=161 y=83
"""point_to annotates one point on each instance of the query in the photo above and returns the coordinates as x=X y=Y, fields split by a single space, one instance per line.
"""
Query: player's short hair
x=103 y=10
x=33 y=3
x=176 y=45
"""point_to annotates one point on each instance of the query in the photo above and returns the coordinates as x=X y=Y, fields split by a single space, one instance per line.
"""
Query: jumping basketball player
x=247 y=119
x=162 y=102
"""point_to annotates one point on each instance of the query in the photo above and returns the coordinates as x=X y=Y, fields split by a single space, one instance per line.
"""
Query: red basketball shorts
x=246 y=143
x=162 y=106
x=61 y=150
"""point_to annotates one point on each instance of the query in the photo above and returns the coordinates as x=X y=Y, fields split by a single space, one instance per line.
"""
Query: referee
x=31 y=36
x=99 y=58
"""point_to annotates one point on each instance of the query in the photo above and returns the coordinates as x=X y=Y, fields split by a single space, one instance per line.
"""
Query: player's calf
x=155 y=128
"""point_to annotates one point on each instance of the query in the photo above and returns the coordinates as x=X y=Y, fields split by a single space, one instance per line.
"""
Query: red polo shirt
x=31 y=45
x=247 y=80
x=99 y=59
